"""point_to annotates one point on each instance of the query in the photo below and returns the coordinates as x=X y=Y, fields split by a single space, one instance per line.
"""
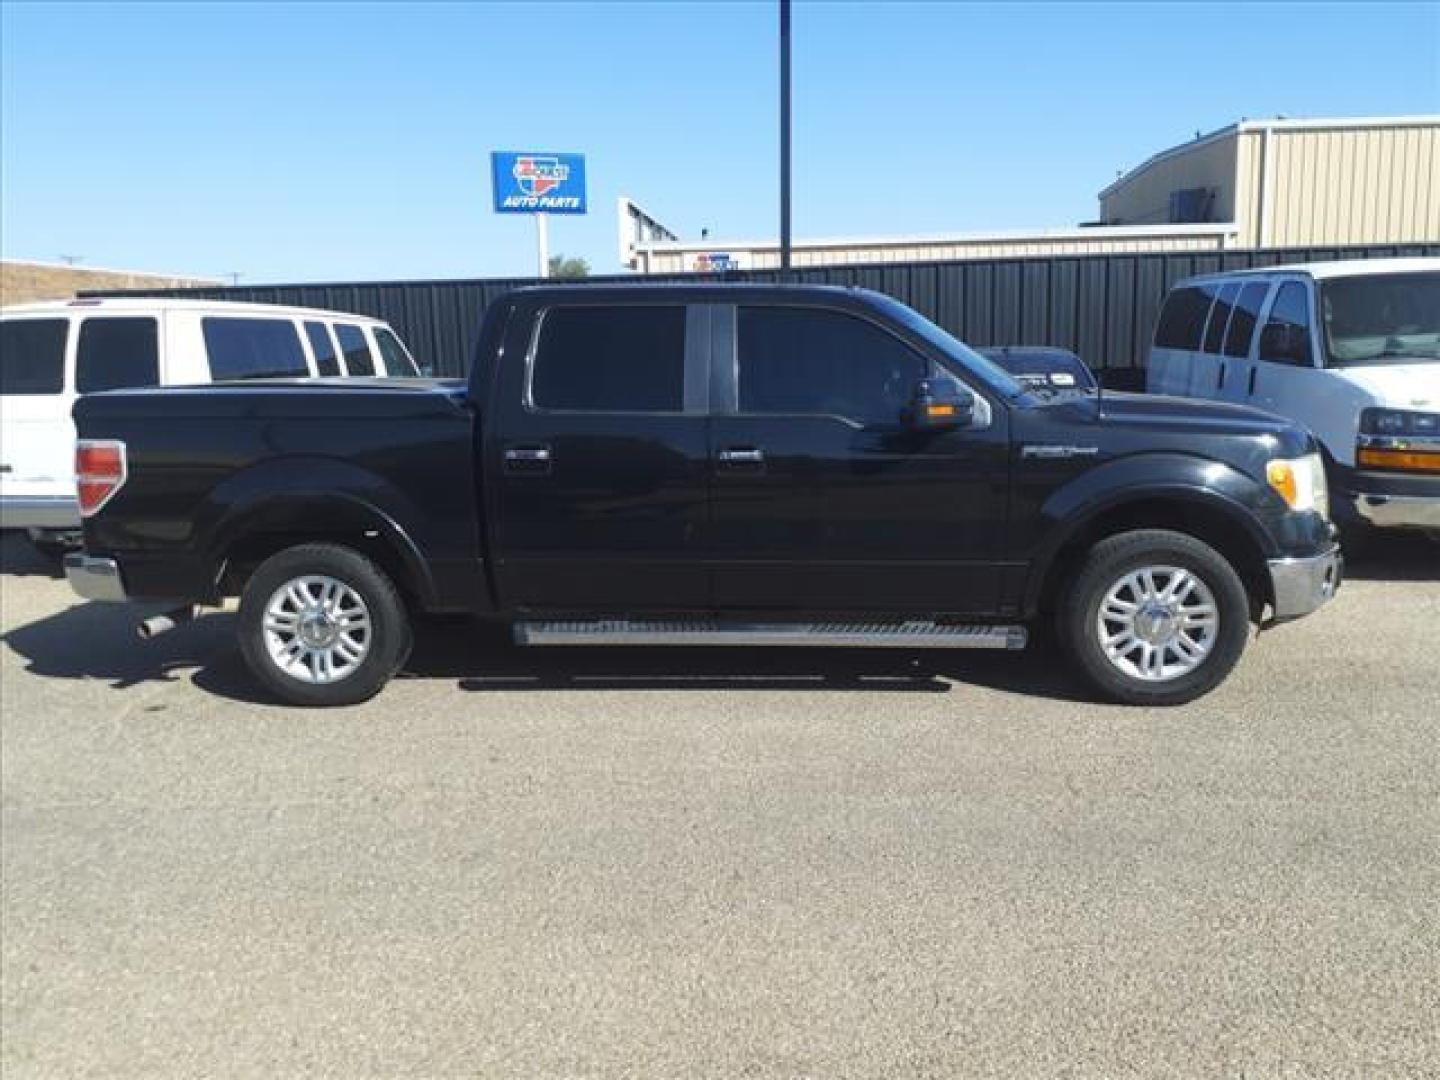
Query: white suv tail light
x=99 y=472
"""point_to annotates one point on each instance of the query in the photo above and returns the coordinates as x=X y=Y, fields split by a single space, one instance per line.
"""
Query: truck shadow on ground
x=1396 y=557
x=98 y=642
x=20 y=558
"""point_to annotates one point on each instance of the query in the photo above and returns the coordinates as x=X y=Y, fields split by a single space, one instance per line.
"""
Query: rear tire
x=1155 y=617
x=321 y=624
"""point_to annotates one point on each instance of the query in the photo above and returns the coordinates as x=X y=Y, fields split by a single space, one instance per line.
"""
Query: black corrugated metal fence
x=1100 y=306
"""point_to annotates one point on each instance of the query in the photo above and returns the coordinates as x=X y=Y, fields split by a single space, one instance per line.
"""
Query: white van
x=52 y=352
x=1350 y=349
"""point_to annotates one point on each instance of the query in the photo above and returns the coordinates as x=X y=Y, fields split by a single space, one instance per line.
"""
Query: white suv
x=52 y=352
x=1350 y=349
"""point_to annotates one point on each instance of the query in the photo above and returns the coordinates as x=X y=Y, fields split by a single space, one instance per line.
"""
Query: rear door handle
x=737 y=457
x=527 y=459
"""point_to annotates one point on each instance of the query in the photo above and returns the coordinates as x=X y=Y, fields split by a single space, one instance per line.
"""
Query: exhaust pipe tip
x=156 y=625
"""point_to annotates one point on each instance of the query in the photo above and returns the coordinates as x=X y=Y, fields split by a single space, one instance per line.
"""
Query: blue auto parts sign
x=533 y=183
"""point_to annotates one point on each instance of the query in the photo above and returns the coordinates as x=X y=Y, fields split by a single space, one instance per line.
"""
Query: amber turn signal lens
x=1281 y=475
x=940 y=410
x=1406 y=460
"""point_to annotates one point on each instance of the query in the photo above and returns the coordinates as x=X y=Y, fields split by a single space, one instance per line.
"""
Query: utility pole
x=785 y=134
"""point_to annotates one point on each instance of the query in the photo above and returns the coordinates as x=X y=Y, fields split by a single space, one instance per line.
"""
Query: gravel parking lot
x=721 y=864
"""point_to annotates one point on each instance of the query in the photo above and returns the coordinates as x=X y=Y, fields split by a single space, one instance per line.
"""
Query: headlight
x=1300 y=482
x=1399 y=440
x=1396 y=422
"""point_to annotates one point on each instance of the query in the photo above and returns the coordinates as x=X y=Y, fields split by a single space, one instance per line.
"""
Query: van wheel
x=320 y=624
x=1155 y=617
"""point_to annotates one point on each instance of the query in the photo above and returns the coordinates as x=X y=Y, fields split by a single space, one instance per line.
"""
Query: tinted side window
x=323 y=348
x=610 y=359
x=1182 y=319
x=397 y=360
x=253 y=348
x=358 y=360
x=1220 y=317
x=1247 y=314
x=32 y=355
x=1289 y=318
x=802 y=360
x=115 y=353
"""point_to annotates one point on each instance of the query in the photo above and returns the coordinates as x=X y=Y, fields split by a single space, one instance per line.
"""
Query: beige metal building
x=1294 y=183
x=1269 y=183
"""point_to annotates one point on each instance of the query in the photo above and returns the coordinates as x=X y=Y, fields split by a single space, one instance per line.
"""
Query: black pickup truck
x=706 y=464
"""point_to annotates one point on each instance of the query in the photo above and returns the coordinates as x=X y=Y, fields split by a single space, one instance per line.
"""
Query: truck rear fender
x=275 y=504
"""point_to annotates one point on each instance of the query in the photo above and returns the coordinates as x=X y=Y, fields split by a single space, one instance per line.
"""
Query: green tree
x=568 y=269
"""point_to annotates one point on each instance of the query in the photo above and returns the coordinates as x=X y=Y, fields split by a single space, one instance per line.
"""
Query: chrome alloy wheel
x=317 y=629
x=1158 y=623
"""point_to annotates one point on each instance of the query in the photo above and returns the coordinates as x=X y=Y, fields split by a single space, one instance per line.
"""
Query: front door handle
x=527 y=459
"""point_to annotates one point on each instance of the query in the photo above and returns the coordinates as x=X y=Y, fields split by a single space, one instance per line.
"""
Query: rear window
x=32 y=356
x=1182 y=319
x=610 y=359
x=1244 y=318
x=397 y=360
x=358 y=358
x=115 y=353
x=253 y=349
x=323 y=348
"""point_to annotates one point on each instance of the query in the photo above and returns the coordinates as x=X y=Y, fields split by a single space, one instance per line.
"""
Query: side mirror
x=939 y=405
x=1285 y=343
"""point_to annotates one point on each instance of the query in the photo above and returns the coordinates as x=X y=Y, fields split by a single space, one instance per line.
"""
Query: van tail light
x=99 y=472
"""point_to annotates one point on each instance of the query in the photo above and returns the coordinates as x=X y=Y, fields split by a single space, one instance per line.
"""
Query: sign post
x=539 y=184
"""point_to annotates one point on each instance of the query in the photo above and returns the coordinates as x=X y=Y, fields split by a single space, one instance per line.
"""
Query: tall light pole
x=785 y=134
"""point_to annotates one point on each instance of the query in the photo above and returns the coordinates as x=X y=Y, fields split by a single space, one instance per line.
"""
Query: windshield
x=1380 y=319
x=996 y=376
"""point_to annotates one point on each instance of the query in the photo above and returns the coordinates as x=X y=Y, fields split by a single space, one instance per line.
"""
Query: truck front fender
x=1219 y=492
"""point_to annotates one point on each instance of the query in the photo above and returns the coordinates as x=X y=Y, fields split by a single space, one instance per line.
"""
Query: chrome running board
x=876 y=635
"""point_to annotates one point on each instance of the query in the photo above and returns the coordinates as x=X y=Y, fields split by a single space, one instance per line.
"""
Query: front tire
x=321 y=624
x=1155 y=617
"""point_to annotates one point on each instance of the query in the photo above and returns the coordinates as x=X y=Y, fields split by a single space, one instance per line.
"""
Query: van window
x=1182 y=319
x=253 y=348
x=1289 y=325
x=115 y=353
x=323 y=348
x=32 y=356
x=628 y=358
x=1244 y=318
x=358 y=360
x=397 y=360
x=823 y=363
x=1381 y=319
x=1219 y=317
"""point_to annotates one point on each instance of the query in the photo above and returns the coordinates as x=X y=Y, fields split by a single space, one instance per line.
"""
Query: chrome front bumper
x=38 y=512
x=1399 y=511
x=1302 y=585
x=94 y=578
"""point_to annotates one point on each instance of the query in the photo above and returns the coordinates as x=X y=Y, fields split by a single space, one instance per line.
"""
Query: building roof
x=1087 y=232
x=1279 y=123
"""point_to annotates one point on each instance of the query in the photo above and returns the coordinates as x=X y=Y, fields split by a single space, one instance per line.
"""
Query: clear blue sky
x=343 y=141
